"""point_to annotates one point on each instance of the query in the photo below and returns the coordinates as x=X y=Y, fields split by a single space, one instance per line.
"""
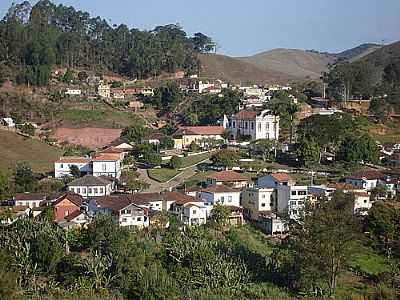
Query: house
x=186 y=135
x=122 y=144
x=10 y=214
x=107 y=165
x=230 y=178
x=291 y=200
x=321 y=191
x=273 y=224
x=62 y=167
x=7 y=122
x=117 y=94
x=258 y=201
x=394 y=160
x=30 y=200
x=275 y=179
x=121 y=208
x=113 y=150
x=90 y=186
x=150 y=201
x=221 y=194
x=254 y=125
x=362 y=203
x=65 y=205
x=366 y=179
x=73 y=92
x=190 y=211
x=77 y=219
x=104 y=91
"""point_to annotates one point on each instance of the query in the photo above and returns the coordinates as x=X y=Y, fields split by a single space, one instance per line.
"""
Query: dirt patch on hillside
x=91 y=138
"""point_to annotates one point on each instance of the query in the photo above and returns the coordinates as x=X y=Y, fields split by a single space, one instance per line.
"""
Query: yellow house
x=184 y=136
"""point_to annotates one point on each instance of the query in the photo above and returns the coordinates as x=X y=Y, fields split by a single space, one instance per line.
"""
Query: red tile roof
x=220 y=188
x=112 y=150
x=107 y=157
x=74 y=198
x=73 y=160
x=227 y=176
x=367 y=174
x=180 y=199
x=362 y=194
x=200 y=130
x=282 y=177
x=30 y=196
x=246 y=114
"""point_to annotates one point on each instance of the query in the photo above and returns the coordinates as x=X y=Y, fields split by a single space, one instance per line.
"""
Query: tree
x=24 y=178
x=8 y=277
x=27 y=129
x=357 y=149
x=227 y=158
x=175 y=162
x=220 y=214
x=194 y=147
x=167 y=143
x=5 y=188
x=75 y=171
x=308 y=151
x=191 y=119
x=68 y=76
x=263 y=147
x=136 y=133
x=202 y=43
x=325 y=240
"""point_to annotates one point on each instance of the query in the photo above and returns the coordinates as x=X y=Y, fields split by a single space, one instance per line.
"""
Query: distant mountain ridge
x=279 y=65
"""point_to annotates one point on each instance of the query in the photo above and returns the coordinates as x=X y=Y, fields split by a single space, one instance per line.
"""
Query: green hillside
x=15 y=148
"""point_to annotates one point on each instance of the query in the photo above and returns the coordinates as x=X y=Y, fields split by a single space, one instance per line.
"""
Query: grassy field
x=15 y=148
x=102 y=118
x=196 y=179
x=162 y=175
x=192 y=160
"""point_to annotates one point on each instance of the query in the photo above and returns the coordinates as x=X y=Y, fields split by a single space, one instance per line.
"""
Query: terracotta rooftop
x=107 y=157
x=30 y=196
x=73 y=215
x=246 y=114
x=282 y=177
x=73 y=159
x=220 y=188
x=74 y=198
x=90 y=180
x=112 y=150
x=367 y=174
x=115 y=203
x=200 y=130
x=227 y=176
x=362 y=194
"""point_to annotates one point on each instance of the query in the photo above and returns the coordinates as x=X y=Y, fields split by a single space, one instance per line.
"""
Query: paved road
x=156 y=186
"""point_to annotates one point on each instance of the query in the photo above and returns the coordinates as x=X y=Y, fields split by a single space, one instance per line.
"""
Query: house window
x=245 y=125
x=84 y=190
x=78 y=190
x=259 y=126
x=72 y=190
x=62 y=166
x=300 y=202
x=89 y=190
x=145 y=218
x=292 y=202
x=365 y=201
x=302 y=193
x=194 y=211
x=263 y=196
x=124 y=219
x=294 y=193
x=66 y=213
x=101 y=190
x=139 y=219
x=267 y=127
x=252 y=125
x=262 y=204
x=271 y=204
x=222 y=199
x=95 y=190
x=229 y=199
x=157 y=204
x=104 y=167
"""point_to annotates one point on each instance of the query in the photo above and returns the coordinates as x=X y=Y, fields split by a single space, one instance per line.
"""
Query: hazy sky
x=245 y=27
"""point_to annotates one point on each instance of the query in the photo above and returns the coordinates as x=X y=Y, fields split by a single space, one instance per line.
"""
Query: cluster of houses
x=272 y=202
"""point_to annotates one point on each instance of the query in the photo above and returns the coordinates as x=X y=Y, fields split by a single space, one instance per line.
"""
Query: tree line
x=34 y=38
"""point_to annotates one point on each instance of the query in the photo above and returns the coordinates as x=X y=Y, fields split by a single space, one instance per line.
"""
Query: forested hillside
x=376 y=75
x=32 y=39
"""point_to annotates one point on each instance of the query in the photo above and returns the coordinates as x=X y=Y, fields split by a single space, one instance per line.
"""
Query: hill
x=15 y=148
x=301 y=64
x=238 y=71
x=358 y=52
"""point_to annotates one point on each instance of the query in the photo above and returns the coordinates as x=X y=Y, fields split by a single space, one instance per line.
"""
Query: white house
x=274 y=180
x=77 y=219
x=73 y=92
x=104 y=91
x=189 y=210
x=124 y=212
x=258 y=201
x=256 y=125
x=221 y=194
x=272 y=224
x=291 y=200
x=8 y=122
x=362 y=203
x=91 y=186
x=62 y=167
x=107 y=164
x=30 y=200
x=366 y=179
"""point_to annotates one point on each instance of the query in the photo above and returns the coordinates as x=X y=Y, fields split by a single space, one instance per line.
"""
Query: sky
x=247 y=27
